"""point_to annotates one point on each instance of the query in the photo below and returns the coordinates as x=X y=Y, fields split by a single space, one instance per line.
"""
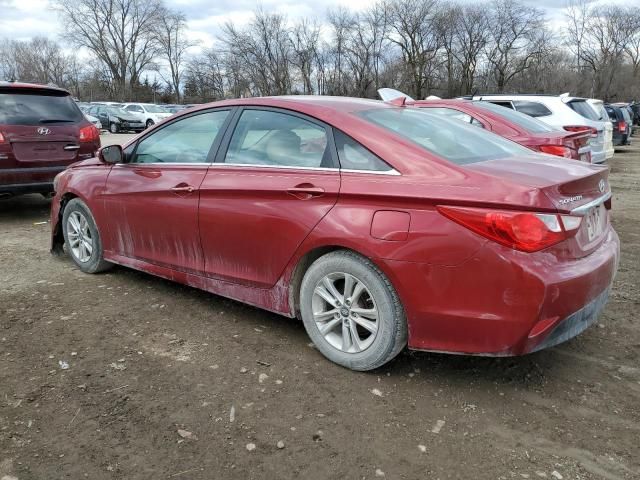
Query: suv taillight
x=89 y=134
x=622 y=126
x=525 y=231
x=581 y=128
x=1 y=138
x=557 y=150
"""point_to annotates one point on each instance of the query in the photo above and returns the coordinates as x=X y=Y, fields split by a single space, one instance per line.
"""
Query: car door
x=152 y=199
x=103 y=115
x=274 y=179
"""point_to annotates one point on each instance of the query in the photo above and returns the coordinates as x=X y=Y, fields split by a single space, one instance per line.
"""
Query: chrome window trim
x=292 y=167
x=584 y=209
x=159 y=164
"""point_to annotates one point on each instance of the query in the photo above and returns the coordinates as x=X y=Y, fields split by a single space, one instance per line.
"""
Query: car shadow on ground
x=24 y=207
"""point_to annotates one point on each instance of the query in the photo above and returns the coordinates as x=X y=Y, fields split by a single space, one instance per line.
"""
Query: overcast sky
x=24 y=19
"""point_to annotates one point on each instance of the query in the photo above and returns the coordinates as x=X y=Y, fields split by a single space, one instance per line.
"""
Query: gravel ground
x=127 y=376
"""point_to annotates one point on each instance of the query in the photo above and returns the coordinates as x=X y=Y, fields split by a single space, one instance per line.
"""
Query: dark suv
x=621 y=122
x=42 y=131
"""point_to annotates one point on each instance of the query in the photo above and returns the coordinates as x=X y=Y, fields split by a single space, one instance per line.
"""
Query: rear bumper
x=17 y=181
x=503 y=302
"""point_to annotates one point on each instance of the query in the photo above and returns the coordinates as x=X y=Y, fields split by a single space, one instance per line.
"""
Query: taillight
x=622 y=126
x=1 y=138
x=89 y=134
x=525 y=231
x=581 y=128
x=557 y=150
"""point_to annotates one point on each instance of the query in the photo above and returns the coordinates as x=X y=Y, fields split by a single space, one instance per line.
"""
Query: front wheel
x=82 y=237
x=351 y=311
x=113 y=128
x=149 y=123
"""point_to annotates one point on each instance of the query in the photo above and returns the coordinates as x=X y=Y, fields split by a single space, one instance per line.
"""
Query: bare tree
x=305 y=42
x=517 y=37
x=260 y=53
x=172 y=37
x=120 y=33
x=414 y=29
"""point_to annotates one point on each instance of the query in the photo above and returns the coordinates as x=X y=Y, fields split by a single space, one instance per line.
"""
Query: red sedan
x=518 y=127
x=378 y=225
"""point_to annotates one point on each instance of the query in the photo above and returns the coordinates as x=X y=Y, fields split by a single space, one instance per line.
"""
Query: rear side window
x=501 y=103
x=353 y=156
x=582 y=107
x=523 y=121
x=612 y=114
x=37 y=107
x=265 y=137
x=533 y=109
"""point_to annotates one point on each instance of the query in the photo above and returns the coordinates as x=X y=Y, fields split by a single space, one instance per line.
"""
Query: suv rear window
x=37 y=107
x=581 y=107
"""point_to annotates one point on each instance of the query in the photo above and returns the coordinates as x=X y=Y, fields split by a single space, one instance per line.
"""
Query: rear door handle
x=305 y=191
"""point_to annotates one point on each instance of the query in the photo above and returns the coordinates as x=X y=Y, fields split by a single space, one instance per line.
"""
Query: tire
x=370 y=350
x=150 y=123
x=113 y=128
x=75 y=212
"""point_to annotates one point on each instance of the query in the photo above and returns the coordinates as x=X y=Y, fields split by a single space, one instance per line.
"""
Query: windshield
x=450 y=139
x=120 y=112
x=33 y=107
x=154 y=109
x=581 y=107
x=524 y=121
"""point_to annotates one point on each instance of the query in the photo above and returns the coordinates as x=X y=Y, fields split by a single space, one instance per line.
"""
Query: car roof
x=320 y=106
x=34 y=86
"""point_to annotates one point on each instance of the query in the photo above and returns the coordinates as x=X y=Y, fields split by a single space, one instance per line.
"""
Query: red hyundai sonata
x=518 y=127
x=378 y=225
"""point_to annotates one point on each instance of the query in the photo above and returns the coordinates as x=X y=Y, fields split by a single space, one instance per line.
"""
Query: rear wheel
x=351 y=311
x=82 y=238
x=113 y=128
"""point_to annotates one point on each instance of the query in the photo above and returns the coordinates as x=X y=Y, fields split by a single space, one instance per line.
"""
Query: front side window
x=354 y=156
x=264 y=137
x=134 y=108
x=449 y=139
x=187 y=140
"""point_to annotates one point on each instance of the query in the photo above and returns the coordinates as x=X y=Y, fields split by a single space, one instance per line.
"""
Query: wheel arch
x=57 y=237
x=304 y=262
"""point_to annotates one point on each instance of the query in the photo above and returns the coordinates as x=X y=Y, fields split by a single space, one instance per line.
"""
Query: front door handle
x=305 y=191
x=183 y=189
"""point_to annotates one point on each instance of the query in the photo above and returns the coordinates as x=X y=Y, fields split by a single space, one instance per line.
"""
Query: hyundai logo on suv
x=44 y=131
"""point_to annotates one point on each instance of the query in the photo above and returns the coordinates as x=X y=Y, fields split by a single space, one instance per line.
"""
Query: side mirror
x=111 y=154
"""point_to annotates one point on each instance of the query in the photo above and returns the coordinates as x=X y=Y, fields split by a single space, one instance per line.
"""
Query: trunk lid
x=574 y=188
x=43 y=145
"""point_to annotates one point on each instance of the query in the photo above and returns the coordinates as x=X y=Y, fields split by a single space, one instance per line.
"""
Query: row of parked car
x=127 y=117
x=561 y=125
x=572 y=127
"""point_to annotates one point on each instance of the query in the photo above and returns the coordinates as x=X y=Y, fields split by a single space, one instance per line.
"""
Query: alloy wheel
x=345 y=312
x=79 y=235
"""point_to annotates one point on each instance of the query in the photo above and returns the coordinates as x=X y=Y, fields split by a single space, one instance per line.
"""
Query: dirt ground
x=127 y=376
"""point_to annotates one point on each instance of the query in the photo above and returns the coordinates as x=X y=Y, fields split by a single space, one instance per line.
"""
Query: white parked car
x=148 y=113
x=598 y=106
x=559 y=111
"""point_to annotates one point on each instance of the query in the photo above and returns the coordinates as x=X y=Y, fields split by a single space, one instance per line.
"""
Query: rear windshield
x=452 y=140
x=31 y=107
x=522 y=120
x=583 y=108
